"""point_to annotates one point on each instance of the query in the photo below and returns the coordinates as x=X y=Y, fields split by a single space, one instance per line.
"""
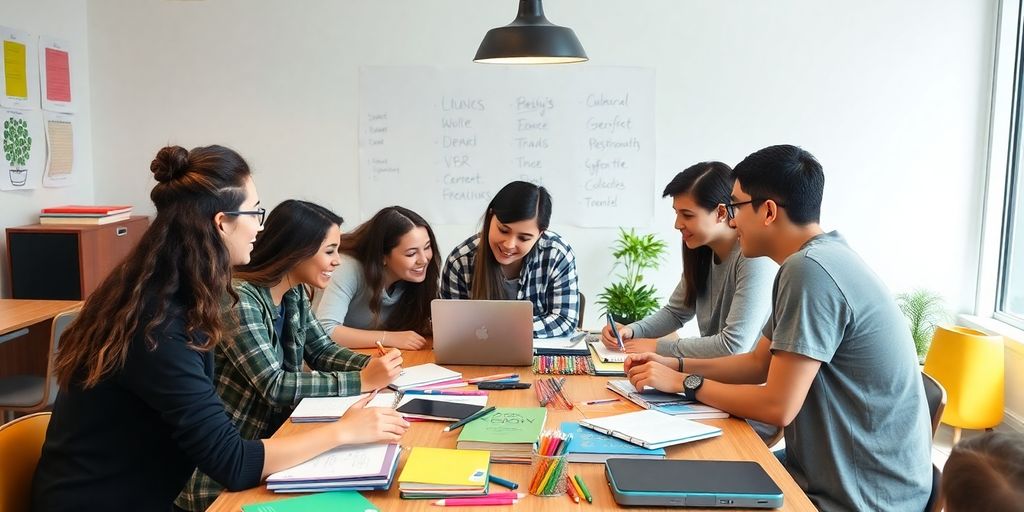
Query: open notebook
x=608 y=356
x=330 y=408
x=651 y=429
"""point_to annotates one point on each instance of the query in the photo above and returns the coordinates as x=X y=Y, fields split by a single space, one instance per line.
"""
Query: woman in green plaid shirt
x=260 y=375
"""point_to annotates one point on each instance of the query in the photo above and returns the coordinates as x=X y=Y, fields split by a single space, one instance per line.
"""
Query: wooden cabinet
x=67 y=262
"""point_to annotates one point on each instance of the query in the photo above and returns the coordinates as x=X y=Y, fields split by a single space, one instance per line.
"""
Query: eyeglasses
x=731 y=207
x=260 y=212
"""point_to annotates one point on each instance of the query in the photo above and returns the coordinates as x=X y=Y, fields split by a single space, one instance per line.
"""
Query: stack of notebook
x=357 y=468
x=427 y=375
x=330 y=408
x=588 y=445
x=84 y=215
x=669 y=403
x=651 y=429
x=602 y=367
x=508 y=433
x=443 y=472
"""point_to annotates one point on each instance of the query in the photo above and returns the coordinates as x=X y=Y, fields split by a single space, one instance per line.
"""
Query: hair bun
x=170 y=163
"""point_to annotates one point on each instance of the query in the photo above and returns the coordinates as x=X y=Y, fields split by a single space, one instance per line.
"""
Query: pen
x=503 y=385
x=601 y=401
x=444 y=392
x=504 y=483
x=497 y=376
x=469 y=502
x=618 y=337
x=468 y=419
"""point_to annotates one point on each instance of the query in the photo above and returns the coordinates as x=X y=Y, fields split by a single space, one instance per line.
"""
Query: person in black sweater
x=137 y=411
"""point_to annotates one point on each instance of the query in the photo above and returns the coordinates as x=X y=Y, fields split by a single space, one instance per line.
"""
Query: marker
x=504 y=483
x=468 y=419
x=503 y=385
x=618 y=337
x=601 y=401
x=444 y=392
x=496 y=376
x=471 y=502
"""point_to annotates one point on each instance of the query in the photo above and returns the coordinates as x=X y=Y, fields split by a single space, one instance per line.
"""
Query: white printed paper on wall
x=60 y=150
x=21 y=149
x=55 y=58
x=18 y=78
x=445 y=146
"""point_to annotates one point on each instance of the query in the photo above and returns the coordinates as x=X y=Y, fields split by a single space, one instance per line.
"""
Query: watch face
x=692 y=381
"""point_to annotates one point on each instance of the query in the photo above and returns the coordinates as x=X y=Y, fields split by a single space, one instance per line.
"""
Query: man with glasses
x=836 y=360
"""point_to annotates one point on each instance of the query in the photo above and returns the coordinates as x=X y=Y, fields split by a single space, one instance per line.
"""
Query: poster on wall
x=22 y=150
x=60 y=150
x=18 y=80
x=55 y=74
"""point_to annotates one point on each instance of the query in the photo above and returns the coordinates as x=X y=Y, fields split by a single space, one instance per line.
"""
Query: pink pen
x=474 y=502
x=499 y=495
x=444 y=392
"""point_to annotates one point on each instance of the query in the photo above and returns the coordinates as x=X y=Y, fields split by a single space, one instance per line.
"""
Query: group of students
x=191 y=354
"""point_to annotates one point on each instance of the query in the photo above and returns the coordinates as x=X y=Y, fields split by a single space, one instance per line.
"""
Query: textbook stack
x=508 y=433
x=365 y=467
x=427 y=376
x=84 y=215
x=443 y=472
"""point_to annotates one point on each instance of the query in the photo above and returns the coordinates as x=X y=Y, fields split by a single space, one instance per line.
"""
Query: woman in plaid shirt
x=515 y=257
x=259 y=374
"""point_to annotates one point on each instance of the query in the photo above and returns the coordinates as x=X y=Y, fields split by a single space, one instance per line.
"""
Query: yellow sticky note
x=15 y=78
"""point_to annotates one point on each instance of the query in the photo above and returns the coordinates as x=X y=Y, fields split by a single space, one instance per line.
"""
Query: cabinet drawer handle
x=121 y=231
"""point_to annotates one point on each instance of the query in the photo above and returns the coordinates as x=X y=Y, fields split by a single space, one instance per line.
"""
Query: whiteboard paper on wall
x=60 y=149
x=22 y=149
x=442 y=141
x=55 y=58
x=18 y=80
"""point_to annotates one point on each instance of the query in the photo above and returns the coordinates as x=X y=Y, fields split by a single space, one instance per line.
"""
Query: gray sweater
x=346 y=301
x=730 y=313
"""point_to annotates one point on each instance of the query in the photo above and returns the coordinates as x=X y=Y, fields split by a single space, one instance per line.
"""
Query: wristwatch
x=691 y=384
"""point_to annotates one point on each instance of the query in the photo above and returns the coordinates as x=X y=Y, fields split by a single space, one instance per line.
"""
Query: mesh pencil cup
x=547 y=474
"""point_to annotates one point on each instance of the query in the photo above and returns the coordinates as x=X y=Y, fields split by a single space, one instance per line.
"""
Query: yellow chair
x=969 y=365
x=21 y=443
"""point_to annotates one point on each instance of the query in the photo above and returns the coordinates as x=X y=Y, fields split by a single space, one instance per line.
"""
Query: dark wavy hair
x=293 y=233
x=517 y=201
x=985 y=473
x=709 y=184
x=180 y=258
x=370 y=243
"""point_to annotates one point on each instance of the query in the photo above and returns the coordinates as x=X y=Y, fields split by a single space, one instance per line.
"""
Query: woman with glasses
x=383 y=288
x=730 y=295
x=138 y=410
x=515 y=257
x=260 y=374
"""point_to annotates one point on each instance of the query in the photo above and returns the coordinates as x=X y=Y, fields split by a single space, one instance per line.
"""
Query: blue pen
x=502 y=482
x=611 y=324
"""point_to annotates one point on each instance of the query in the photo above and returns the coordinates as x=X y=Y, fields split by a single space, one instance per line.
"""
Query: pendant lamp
x=530 y=39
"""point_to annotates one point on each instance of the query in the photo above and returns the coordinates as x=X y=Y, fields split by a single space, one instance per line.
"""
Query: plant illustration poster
x=22 y=150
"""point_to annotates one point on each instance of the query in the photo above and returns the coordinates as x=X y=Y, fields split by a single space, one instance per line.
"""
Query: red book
x=87 y=210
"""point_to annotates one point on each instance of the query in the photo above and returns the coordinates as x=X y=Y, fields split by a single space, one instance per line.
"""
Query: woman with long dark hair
x=138 y=411
x=259 y=373
x=383 y=288
x=730 y=295
x=516 y=257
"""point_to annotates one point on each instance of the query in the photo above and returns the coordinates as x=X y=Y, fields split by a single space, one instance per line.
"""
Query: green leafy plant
x=924 y=310
x=17 y=142
x=629 y=299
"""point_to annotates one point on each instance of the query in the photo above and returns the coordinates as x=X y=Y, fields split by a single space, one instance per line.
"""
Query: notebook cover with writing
x=590 y=446
x=506 y=425
x=444 y=466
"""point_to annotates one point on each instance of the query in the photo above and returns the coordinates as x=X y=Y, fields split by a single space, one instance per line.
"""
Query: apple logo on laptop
x=481 y=333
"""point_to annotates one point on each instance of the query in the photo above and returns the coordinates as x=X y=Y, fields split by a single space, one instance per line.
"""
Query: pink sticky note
x=58 y=75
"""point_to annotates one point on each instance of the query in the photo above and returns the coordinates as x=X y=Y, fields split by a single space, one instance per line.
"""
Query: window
x=1010 y=292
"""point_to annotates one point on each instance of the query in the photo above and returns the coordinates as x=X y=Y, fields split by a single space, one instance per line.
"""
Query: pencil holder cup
x=548 y=475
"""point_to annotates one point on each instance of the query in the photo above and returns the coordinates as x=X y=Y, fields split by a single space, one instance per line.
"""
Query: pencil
x=575 y=485
x=583 y=487
x=570 y=489
x=380 y=348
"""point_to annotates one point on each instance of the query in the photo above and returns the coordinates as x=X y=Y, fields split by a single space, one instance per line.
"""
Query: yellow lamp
x=969 y=364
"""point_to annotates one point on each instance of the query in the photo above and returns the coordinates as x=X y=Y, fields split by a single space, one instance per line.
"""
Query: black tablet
x=691 y=483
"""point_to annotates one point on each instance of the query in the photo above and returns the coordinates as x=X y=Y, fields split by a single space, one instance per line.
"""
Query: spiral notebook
x=651 y=429
x=608 y=356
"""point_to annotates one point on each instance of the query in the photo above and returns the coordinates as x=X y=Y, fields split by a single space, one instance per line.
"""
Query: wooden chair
x=935 y=395
x=34 y=393
x=21 y=442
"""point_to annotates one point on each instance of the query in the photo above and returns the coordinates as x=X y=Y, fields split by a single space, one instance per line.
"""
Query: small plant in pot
x=630 y=299
x=17 y=144
x=924 y=310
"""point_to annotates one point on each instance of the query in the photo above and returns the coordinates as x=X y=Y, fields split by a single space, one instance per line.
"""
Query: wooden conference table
x=737 y=442
x=28 y=354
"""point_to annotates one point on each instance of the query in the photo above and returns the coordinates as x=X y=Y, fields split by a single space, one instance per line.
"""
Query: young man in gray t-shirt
x=836 y=358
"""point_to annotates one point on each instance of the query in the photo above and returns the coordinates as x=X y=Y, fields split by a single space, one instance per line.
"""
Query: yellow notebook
x=444 y=466
x=603 y=368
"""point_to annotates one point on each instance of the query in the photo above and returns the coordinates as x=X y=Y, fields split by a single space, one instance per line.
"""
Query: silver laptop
x=483 y=332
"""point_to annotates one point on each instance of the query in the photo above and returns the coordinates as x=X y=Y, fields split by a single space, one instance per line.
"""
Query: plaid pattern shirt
x=260 y=378
x=548 y=280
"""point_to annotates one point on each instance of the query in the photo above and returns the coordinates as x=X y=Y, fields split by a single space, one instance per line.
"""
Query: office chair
x=21 y=442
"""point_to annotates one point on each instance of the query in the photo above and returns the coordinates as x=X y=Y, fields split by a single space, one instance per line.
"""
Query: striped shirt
x=259 y=375
x=548 y=280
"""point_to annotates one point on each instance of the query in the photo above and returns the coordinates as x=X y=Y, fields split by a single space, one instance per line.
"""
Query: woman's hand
x=404 y=340
x=381 y=371
x=608 y=337
x=362 y=424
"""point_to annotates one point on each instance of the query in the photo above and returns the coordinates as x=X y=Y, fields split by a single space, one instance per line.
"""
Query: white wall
x=63 y=19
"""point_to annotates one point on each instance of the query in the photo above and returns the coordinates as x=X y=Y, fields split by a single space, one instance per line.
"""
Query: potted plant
x=17 y=144
x=924 y=310
x=629 y=299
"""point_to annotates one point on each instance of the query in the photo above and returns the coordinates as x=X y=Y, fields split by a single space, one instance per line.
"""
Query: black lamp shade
x=530 y=39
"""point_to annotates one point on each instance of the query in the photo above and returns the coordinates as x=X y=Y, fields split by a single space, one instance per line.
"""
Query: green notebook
x=338 y=500
x=506 y=426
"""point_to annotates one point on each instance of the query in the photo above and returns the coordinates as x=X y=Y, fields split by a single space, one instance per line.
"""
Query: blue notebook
x=591 y=446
